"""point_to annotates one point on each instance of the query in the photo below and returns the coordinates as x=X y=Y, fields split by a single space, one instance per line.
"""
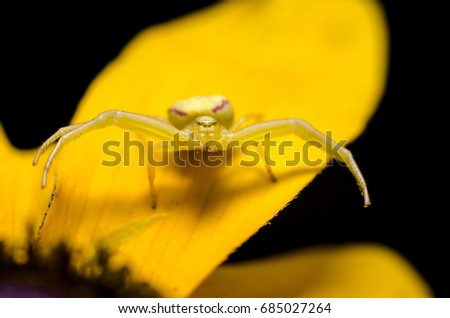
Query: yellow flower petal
x=356 y=270
x=323 y=61
x=22 y=202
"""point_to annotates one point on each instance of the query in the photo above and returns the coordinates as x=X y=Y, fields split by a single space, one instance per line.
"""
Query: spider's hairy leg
x=61 y=132
x=148 y=126
x=305 y=131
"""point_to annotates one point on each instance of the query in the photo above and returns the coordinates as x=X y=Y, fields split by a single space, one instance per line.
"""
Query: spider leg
x=151 y=171
x=61 y=132
x=240 y=123
x=144 y=125
x=268 y=168
x=249 y=119
x=305 y=131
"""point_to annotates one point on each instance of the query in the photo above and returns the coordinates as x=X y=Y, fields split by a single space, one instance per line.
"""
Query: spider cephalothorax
x=200 y=120
x=184 y=112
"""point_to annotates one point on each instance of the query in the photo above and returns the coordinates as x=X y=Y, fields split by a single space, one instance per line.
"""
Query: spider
x=200 y=120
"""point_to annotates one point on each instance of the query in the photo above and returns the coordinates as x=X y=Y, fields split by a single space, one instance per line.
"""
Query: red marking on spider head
x=178 y=112
x=220 y=106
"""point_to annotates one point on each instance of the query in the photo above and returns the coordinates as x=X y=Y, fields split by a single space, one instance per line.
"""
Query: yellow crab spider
x=201 y=120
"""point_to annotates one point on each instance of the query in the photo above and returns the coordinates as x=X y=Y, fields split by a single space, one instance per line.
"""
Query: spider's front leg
x=148 y=126
x=305 y=131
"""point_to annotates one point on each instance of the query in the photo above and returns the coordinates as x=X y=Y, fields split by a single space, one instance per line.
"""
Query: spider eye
x=205 y=121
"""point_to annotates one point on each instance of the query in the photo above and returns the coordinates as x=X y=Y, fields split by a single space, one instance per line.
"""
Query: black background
x=51 y=54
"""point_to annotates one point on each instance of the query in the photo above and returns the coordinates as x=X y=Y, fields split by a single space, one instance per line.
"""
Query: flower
x=321 y=61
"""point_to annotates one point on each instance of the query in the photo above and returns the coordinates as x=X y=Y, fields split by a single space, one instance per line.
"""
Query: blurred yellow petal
x=354 y=270
x=323 y=61
x=22 y=202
